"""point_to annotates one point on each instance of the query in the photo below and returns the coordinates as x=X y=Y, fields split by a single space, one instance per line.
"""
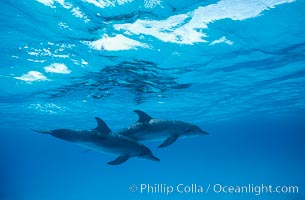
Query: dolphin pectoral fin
x=119 y=160
x=170 y=140
x=143 y=117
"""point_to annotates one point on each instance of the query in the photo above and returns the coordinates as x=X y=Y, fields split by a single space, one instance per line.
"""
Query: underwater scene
x=152 y=100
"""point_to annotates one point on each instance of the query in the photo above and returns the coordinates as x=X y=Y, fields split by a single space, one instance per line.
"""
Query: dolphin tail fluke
x=119 y=160
x=42 y=131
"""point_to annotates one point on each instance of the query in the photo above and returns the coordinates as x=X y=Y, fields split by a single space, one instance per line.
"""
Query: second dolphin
x=148 y=128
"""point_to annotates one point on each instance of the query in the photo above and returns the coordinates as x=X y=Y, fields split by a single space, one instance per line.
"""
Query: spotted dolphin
x=148 y=129
x=102 y=139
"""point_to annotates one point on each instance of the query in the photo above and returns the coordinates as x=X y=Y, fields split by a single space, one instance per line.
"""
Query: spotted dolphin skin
x=148 y=129
x=102 y=139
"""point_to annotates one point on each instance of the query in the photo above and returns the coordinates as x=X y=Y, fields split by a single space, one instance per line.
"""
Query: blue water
x=235 y=68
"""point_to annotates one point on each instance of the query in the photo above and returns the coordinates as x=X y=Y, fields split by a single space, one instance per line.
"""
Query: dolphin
x=102 y=139
x=148 y=129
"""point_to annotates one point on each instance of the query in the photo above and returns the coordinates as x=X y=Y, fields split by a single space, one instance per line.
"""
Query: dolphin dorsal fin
x=143 y=117
x=102 y=126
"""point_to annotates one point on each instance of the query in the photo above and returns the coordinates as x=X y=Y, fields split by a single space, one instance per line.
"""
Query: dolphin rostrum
x=148 y=128
x=102 y=139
